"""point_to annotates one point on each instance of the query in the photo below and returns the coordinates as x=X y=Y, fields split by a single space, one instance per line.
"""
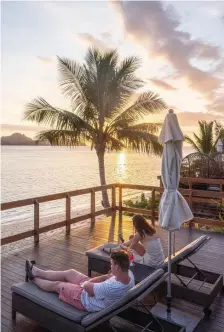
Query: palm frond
x=113 y=144
x=62 y=137
x=72 y=80
x=140 y=141
x=192 y=143
x=41 y=112
x=151 y=128
x=145 y=104
x=123 y=84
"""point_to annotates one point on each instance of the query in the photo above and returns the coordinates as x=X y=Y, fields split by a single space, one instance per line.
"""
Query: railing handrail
x=193 y=196
x=198 y=180
x=53 y=197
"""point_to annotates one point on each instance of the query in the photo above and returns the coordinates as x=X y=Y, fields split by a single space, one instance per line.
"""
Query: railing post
x=190 y=204
x=153 y=203
x=93 y=206
x=113 y=198
x=68 y=214
x=120 y=203
x=36 y=221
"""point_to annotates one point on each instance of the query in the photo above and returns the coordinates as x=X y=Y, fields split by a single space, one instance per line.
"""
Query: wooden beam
x=153 y=205
x=209 y=222
x=68 y=214
x=136 y=210
x=113 y=194
x=51 y=227
x=36 y=221
x=140 y=187
x=48 y=198
x=208 y=193
x=201 y=180
x=17 y=237
x=93 y=206
x=120 y=204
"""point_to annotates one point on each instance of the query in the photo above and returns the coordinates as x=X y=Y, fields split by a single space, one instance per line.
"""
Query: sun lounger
x=99 y=261
x=47 y=310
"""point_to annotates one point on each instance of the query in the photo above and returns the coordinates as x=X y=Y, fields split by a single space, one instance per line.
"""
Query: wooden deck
x=61 y=252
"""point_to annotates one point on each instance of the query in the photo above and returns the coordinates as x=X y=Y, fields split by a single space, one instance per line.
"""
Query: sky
x=180 y=43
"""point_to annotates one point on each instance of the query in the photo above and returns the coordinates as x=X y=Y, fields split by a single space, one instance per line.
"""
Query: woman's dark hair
x=142 y=226
x=121 y=259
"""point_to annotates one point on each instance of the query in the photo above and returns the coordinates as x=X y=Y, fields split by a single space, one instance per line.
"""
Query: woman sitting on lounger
x=145 y=243
x=82 y=292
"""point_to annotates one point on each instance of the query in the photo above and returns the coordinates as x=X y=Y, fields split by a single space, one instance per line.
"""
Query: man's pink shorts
x=71 y=293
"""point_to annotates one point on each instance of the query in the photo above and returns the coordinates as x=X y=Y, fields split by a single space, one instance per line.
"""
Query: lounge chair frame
x=57 y=323
x=193 y=272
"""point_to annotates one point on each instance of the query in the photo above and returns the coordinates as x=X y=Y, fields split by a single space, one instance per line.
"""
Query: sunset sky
x=181 y=45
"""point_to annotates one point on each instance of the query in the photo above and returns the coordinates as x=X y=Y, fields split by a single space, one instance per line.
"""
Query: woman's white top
x=154 y=255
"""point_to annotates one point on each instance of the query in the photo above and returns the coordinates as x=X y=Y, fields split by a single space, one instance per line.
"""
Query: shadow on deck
x=60 y=252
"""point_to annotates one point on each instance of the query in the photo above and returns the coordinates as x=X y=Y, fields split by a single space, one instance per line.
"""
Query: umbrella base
x=177 y=316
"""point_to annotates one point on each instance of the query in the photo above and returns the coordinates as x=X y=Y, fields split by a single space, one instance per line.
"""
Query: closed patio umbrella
x=174 y=210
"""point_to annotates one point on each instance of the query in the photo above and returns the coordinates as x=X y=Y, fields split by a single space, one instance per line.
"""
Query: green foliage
x=209 y=134
x=104 y=112
x=106 y=108
x=143 y=203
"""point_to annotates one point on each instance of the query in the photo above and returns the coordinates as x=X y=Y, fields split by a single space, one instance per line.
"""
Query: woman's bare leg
x=71 y=276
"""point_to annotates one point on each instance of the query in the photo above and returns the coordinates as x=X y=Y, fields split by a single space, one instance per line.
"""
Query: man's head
x=119 y=262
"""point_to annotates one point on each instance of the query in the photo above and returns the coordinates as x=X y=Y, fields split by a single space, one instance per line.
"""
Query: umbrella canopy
x=174 y=210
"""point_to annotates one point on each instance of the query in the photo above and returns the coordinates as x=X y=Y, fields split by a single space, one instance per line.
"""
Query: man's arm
x=88 y=287
x=101 y=278
x=97 y=288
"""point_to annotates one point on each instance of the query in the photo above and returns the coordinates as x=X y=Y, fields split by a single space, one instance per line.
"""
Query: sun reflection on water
x=121 y=168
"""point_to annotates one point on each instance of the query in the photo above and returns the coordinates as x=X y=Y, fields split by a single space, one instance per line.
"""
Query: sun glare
x=122 y=159
x=121 y=169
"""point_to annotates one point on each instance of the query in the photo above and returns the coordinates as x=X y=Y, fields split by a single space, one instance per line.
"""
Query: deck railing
x=191 y=196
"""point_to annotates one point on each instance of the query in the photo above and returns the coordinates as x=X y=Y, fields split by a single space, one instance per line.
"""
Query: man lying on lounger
x=82 y=292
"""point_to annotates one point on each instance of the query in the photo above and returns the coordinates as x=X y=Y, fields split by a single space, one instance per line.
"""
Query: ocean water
x=28 y=171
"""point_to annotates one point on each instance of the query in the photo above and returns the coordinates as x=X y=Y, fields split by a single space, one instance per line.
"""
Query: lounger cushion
x=148 y=284
x=186 y=251
x=49 y=301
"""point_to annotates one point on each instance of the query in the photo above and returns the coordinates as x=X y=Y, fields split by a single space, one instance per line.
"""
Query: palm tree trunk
x=100 y=156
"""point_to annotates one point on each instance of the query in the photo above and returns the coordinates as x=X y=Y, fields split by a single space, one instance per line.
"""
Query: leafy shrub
x=143 y=203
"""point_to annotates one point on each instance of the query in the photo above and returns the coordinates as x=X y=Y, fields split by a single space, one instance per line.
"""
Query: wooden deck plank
x=58 y=251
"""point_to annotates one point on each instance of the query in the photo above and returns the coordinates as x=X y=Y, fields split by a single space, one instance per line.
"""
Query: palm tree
x=103 y=112
x=209 y=134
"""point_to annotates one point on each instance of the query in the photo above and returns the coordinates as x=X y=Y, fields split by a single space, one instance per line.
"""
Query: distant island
x=20 y=139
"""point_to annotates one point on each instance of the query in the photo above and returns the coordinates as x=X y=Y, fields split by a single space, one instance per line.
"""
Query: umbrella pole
x=168 y=298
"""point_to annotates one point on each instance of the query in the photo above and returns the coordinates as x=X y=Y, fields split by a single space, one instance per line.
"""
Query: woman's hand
x=123 y=247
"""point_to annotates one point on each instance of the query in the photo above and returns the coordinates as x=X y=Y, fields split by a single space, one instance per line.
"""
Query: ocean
x=31 y=171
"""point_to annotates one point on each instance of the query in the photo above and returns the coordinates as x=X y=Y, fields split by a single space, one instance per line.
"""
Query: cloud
x=191 y=118
x=19 y=128
x=159 y=31
x=218 y=105
x=88 y=39
x=162 y=84
x=45 y=59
